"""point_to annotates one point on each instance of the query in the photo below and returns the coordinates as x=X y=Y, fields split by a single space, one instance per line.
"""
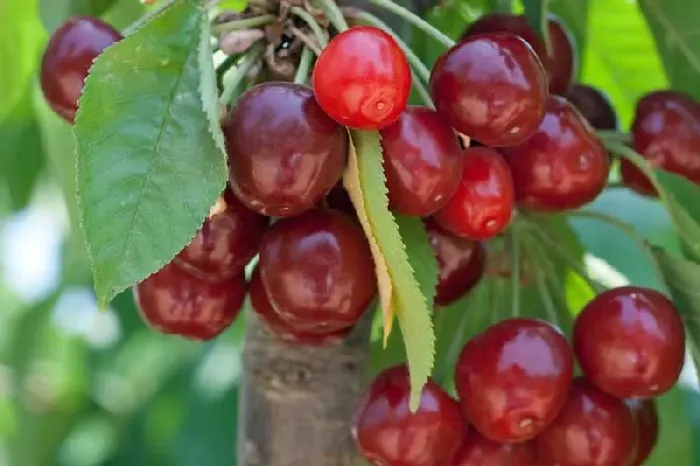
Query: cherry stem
x=546 y=296
x=304 y=66
x=613 y=136
x=246 y=23
x=234 y=77
x=334 y=15
x=644 y=165
x=415 y=20
x=615 y=185
x=311 y=22
x=515 y=271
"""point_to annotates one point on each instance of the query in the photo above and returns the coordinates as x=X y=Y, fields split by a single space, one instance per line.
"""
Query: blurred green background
x=83 y=388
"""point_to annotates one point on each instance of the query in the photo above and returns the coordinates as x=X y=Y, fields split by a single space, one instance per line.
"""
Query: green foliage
x=536 y=15
x=55 y=12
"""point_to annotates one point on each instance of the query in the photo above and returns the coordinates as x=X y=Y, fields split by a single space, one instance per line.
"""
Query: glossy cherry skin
x=483 y=203
x=174 y=302
x=318 y=271
x=665 y=130
x=491 y=88
x=67 y=59
x=387 y=434
x=422 y=162
x=461 y=263
x=560 y=64
x=594 y=105
x=285 y=153
x=362 y=78
x=630 y=342
x=229 y=238
x=477 y=450
x=563 y=166
x=593 y=429
x=646 y=418
x=514 y=378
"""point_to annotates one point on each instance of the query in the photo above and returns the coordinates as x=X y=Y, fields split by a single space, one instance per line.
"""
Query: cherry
x=483 y=203
x=514 y=378
x=646 y=419
x=491 y=88
x=665 y=130
x=560 y=63
x=285 y=154
x=477 y=450
x=629 y=342
x=388 y=434
x=461 y=262
x=593 y=429
x=339 y=199
x=318 y=272
x=175 y=302
x=594 y=105
x=563 y=166
x=228 y=240
x=67 y=59
x=422 y=162
x=362 y=78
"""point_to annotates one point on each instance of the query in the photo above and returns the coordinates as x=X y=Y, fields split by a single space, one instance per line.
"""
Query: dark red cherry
x=387 y=434
x=646 y=418
x=666 y=130
x=594 y=105
x=362 y=78
x=560 y=63
x=318 y=271
x=483 y=203
x=593 y=429
x=228 y=240
x=422 y=162
x=491 y=88
x=174 y=302
x=514 y=378
x=68 y=58
x=477 y=450
x=629 y=342
x=339 y=199
x=461 y=262
x=563 y=166
x=284 y=152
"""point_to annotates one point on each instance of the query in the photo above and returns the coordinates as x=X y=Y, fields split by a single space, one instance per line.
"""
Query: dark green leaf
x=55 y=12
x=420 y=254
x=501 y=6
x=149 y=168
x=536 y=15
x=574 y=14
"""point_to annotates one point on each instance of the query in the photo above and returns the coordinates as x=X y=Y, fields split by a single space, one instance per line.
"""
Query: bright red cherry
x=477 y=450
x=422 y=162
x=594 y=105
x=284 y=152
x=593 y=429
x=491 y=88
x=630 y=342
x=318 y=271
x=563 y=166
x=560 y=63
x=514 y=378
x=387 y=434
x=228 y=240
x=666 y=130
x=362 y=78
x=175 y=302
x=67 y=59
x=646 y=418
x=483 y=203
x=461 y=262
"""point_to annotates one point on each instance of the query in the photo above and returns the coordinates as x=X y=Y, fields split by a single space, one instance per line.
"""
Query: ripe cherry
x=483 y=203
x=68 y=58
x=491 y=88
x=362 y=78
x=318 y=271
x=562 y=166
x=666 y=130
x=388 y=434
x=477 y=450
x=594 y=105
x=175 y=302
x=514 y=378
x=593 y=429
x=285 y=153
x=646 y=418
x=560 y=63
x=629 y=342
x=422 y=162
x=228 y=240
x=339 y=199
x=461 y=262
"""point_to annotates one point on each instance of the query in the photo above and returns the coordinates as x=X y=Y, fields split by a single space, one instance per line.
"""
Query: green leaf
x=574 y=14
x=536 y=16
x=148 y=167
x=55 y=12
x=420 y=254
